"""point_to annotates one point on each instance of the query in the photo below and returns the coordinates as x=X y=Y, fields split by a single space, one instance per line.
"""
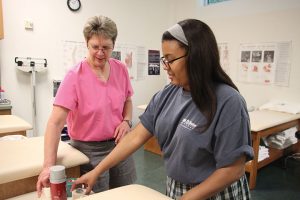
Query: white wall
x=253 y=21
x=54 y=23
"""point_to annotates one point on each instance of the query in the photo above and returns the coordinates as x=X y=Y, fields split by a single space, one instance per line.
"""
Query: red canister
x=58 y=183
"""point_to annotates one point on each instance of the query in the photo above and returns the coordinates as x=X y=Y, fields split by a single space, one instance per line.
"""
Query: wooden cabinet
x=1 y=21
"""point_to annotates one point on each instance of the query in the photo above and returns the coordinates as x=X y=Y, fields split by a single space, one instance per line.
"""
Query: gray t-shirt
x=190 y=155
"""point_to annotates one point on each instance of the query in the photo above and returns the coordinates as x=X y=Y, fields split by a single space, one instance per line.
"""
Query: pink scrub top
x=95 y=106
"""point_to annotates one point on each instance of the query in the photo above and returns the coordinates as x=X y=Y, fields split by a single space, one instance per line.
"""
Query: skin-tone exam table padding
x=13 y=125
x=128 y=192
x=22 y=161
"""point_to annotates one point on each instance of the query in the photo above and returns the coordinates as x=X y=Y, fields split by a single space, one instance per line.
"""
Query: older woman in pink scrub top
x=94 y=99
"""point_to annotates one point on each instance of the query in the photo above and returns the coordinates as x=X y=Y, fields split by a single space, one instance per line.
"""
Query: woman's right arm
x=55 y=124
x=129 y=144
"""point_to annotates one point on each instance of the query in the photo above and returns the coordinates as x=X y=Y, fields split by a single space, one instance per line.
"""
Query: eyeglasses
x=166 y=63
x=104 y=49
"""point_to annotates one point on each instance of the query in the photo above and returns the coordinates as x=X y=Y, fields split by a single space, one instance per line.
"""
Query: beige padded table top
x=12 y=123
x=24 y=158
x=129 y=192
x=263 y=119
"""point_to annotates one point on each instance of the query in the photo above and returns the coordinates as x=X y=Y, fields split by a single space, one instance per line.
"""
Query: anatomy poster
x=224 y=57
x=264 y=63
x=134 y=57
x=73 y=52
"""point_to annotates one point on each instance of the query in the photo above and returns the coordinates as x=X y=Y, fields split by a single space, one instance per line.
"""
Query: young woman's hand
x=88 y=180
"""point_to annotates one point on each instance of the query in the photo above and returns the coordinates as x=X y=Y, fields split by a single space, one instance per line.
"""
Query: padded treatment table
x=22 y=161
x=13 y=125
x=129 y=192
x=263 y=124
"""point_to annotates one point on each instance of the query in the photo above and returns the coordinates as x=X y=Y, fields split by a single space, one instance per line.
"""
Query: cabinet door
x=1 y=21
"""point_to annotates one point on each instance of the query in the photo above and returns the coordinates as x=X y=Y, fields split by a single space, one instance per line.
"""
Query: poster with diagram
x=224 y=57
x=133 y=56
x=264 y=63
x=73 y=52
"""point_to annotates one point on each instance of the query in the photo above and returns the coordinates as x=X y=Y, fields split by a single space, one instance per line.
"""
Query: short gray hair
x=100 y=25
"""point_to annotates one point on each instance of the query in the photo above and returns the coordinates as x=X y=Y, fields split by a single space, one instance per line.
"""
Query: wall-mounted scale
x=32 y=66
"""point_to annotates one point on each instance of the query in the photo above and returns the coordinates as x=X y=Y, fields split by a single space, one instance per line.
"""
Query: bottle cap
x=57 y=174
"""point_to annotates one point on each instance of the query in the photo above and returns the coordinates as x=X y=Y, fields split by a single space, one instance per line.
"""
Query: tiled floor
x=274 y=182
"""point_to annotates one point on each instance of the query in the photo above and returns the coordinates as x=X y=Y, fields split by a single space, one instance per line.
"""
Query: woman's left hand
x=121 y=131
